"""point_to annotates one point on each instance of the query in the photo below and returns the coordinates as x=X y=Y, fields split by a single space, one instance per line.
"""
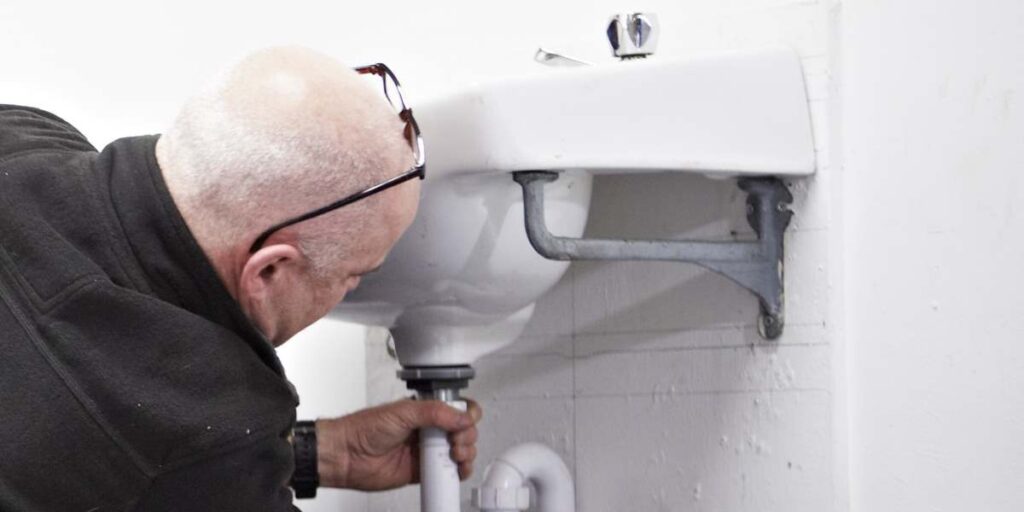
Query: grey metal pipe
x=565 y=248
x=756 y=266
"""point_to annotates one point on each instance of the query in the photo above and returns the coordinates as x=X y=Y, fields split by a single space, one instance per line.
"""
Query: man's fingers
x=465 y=470
x=463 y=453
x=432 y=413
x=468 y=436
x=440 y=415
x=474 y=411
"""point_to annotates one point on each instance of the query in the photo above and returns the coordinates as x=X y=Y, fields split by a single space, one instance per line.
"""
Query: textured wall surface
x=933 y=131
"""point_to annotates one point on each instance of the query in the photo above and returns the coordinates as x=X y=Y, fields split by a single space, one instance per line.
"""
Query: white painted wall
x=933 y=135
x=325 y=363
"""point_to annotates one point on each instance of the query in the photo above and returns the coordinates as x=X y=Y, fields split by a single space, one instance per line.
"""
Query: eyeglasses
x=393 y=93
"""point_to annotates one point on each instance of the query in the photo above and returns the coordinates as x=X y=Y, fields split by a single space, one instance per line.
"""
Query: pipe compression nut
x=493 y=499
x=426 y=380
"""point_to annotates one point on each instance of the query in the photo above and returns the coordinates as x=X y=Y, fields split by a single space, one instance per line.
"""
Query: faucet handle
x=633 y=35
x=557 y=59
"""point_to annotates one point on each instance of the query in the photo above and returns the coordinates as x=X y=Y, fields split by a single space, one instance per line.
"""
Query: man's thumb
x=433 y=413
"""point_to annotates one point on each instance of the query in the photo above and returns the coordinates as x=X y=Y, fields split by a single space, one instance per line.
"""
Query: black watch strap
x=306 y=477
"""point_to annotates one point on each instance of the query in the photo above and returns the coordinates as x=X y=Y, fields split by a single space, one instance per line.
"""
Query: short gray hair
x=284 y=131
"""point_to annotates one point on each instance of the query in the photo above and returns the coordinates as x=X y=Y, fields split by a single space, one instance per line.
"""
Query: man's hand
x=378 y=448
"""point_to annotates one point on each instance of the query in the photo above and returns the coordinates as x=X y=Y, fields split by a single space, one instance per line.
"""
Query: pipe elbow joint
x=504 y=488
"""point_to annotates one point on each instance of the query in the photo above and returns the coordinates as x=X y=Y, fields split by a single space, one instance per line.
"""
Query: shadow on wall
x=622 y=297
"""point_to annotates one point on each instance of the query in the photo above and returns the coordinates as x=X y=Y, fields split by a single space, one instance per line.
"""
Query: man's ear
x=267 y=273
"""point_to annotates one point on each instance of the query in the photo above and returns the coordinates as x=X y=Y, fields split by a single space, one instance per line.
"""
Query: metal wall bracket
x=756 y=265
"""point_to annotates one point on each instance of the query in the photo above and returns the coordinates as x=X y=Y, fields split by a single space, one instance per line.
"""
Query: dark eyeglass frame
x=412 y=133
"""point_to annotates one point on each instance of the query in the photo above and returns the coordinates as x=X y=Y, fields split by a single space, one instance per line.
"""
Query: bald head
x=281 y=133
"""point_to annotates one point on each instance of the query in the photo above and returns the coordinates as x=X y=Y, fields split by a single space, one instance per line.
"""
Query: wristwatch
x=306 y=477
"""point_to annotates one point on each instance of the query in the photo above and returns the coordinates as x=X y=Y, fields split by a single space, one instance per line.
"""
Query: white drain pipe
x=504 y=488
x=439 y=476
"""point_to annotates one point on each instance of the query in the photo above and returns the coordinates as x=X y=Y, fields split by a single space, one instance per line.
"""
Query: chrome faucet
x=633 y=35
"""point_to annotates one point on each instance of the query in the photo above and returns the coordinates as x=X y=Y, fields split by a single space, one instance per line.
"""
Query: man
x=145 y=287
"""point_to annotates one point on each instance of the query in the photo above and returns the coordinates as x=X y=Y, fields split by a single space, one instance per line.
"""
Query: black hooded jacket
x=130 y=379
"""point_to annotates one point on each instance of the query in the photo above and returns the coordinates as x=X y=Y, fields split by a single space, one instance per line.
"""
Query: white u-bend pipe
x=533 y=463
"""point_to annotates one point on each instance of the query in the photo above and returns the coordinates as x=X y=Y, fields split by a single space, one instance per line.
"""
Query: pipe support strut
x=755 y=265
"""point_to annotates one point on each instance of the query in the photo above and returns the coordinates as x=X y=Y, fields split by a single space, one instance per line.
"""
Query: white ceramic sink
x=463 y=280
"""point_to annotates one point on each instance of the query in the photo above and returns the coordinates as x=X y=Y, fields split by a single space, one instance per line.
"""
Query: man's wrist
x=333 y=457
